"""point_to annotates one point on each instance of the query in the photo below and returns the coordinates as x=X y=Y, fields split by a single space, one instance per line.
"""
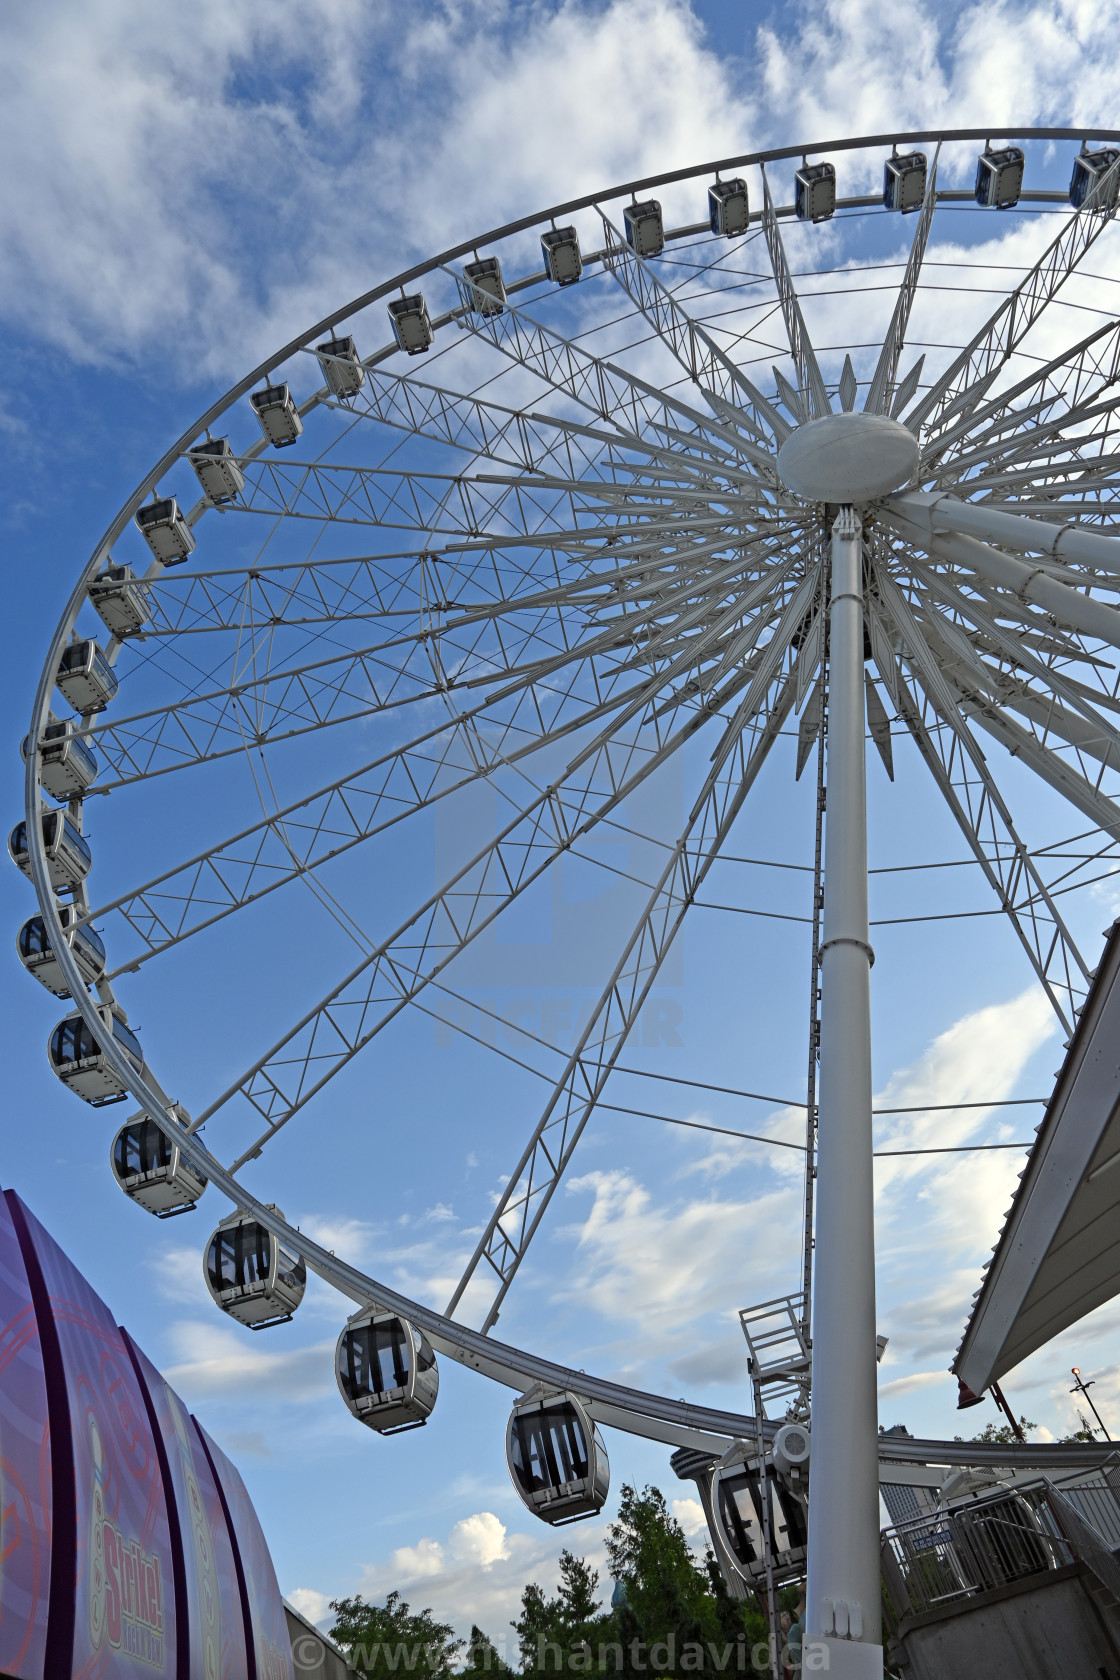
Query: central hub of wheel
x=848 y=458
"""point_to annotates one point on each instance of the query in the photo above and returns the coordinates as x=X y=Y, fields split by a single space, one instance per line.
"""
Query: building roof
x=1058 y=1255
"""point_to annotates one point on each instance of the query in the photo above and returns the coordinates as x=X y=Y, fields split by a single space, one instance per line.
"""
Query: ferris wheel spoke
x=527 y=439
x=1066 y=384
x=984 y=695
x=291 y=701
x=1020 y=578
x=1078 y=722
x=709 y=367
x=394 y=499
x=881 y=391
x=628 y=403
x=301 y=1063
x=742 y=752
x=1051 y=439
x=470 y=746
x=966 y=381
x=968 y=787
x=320 y=826
x=811 y=390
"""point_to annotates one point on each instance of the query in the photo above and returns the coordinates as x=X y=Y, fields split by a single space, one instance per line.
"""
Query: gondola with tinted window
x=79 y=1060
x=86 y=677
x=120 y=600
x=66 y=765
x=151 y=1169
x=38 y=958
x=737 y=1495
x=386 y=1372
x=66 y=851
x=251 y=1274
x=557 y=1459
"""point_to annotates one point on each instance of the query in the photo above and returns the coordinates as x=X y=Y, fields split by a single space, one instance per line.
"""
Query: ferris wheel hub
x=848 y=458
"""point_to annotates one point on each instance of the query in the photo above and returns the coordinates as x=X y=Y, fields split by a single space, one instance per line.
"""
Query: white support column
x=843 y=1605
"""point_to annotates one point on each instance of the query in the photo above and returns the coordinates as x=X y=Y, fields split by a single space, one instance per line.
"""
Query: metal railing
x=1005 y=1536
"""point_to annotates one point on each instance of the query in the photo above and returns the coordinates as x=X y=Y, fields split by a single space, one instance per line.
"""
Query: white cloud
x=477 y=1572
x=690 y=1514
x=916 y=1379
x=213 y=1360
x=314 y=1605
x=480 y=1539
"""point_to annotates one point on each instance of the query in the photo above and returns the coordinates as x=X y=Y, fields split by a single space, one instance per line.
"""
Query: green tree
x=385 y=1639
x=1003 y=1432
x=567 y=1623
x=482 y=1657
x=669 y=1600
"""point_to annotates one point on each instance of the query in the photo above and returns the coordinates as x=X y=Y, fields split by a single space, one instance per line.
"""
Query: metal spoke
x=629 y=403
x=709 y=367
x=969 y=789
x=967 y=380
x=811 y=388
x=882 y=388
x=327 y=1038
x=736 y=763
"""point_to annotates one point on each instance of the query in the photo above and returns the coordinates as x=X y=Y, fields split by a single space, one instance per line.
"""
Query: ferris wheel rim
x=460 y=1342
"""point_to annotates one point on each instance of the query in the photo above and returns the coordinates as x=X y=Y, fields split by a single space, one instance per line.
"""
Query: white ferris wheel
x=565 y=506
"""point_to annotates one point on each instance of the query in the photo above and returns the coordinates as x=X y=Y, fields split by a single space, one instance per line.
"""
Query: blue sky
x=196 y=185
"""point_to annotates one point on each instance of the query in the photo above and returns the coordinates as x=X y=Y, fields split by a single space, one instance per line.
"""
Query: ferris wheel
x=568 y=507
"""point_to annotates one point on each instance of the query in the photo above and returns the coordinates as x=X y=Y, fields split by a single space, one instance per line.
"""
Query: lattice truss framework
x=556 y=553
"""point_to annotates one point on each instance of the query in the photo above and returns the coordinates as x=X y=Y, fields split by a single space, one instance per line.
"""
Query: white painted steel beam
x=1030 y=583
x=1066 y=540
x=843 y=1594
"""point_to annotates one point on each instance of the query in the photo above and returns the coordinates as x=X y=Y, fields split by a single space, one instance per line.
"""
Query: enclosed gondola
x=78 y=1059
x=814 y=196
x=904 y=181
x=217 y=470
x=39 y=959
x=86 y=677
x=66 y=765
x=729 y=212
x=151 y=1169
x=737 y=1495
x=165 y=531
x=411 y=323
x=563 y=262
x=999 y=177
x=645 y=228
x=386 y=1372
x=341 y=365
x=67 y=852
x=488 y=290
x=1088 y=169
x=277 y=413
x=251 y=1274
x=557 y=1459
x=120 y=600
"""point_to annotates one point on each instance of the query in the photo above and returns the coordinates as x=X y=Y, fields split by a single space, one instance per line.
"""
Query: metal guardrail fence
x=1005 y=1536
x=1008 y=1535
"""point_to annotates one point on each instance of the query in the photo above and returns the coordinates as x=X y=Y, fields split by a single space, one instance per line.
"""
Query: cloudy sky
x=195 y=185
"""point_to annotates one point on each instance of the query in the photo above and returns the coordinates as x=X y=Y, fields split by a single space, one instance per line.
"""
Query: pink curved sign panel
x=129 y=1546
x=25 y=1469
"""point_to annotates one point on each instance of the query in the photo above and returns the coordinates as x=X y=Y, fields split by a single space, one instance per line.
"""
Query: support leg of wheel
x=843 y=1606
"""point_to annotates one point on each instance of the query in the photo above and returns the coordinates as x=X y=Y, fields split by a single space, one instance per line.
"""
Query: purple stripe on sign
x=272 y=1646
x=59 y=1643
x=183 y=1668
